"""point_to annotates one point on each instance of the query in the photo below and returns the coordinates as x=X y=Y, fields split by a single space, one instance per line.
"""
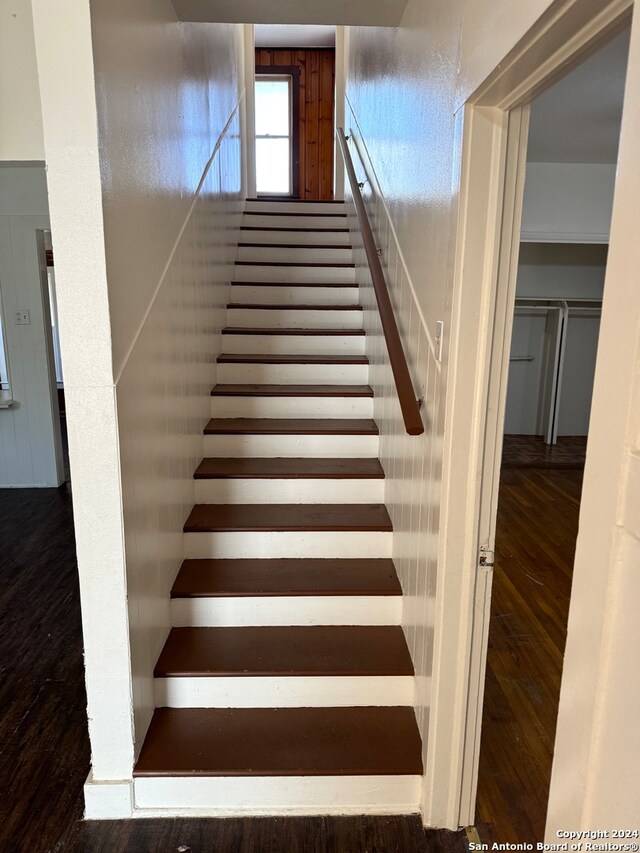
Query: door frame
x=249 y=109
x=493 y=128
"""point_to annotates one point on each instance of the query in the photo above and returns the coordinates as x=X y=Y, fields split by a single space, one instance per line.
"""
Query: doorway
x=555 y=276
x=571 y=160
x=494 y=132
x=294 y=111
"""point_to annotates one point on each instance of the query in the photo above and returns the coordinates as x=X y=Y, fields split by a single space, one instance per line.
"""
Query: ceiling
x=578 y=119
x=294 y=35
x=374 y=13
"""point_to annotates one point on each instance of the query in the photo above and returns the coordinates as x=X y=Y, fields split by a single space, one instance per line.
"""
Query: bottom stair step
x=370 y=741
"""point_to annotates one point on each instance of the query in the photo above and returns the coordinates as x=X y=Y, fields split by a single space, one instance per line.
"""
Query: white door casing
x=493 y=125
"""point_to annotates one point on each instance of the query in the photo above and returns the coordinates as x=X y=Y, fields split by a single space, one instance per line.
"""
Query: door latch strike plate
x=486 y=559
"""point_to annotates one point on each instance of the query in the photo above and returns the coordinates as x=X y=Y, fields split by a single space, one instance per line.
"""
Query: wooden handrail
x=404 y=386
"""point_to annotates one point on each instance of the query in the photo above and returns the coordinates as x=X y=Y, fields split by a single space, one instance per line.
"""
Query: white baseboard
x=108 y=800
x=251 y=796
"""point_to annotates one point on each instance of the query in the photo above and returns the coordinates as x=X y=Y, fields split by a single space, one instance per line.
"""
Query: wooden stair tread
x=281 y=742
x=207 y=578
x=293 y=228
x=294 y=651
x=270 y=199
x=247 y=245
x=273 y=390
x=289 y=468
x=318 y=264
x=292 y=330
x=285 y=213
x=276 y=306
x=291 y=426
x=205 y=518
x=283 y=284
x=294 y=358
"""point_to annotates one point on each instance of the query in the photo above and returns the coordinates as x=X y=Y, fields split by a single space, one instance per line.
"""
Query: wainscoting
x=164 y=403
x=412 y=464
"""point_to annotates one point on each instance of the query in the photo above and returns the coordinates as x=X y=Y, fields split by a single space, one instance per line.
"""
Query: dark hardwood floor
x=530 y=451
x=44 y=748
x=536 y=533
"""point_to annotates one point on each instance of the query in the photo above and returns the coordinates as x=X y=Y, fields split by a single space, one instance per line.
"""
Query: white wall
x=20 y=112
x=156 y=138
x=412 y=464
x=29 y=430
x=563 y=271
x=171 y=198
x=30 y=450
x=568 y=202
x=137 y=104
x=525 y=393
x=164 y=402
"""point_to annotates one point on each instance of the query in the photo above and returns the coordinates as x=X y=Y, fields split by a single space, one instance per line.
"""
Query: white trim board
x=296 y=691
x=226 y=796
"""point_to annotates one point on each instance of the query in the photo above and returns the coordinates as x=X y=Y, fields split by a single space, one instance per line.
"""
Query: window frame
x=278 y=72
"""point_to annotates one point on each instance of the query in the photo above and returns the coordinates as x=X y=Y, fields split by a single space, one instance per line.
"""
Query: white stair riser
x=298 y=236
x=295 y=274
x=293 y=374
x=291 y=318
x=278 y=795
x=253 y=544
x=245 y=611
x=297 y=207
x=298 y=254
x=283 y=691
x=295 y=344
x=306 y=446
x=291 y=407
x=285 y=220
x=294 y=491
x=294 y=295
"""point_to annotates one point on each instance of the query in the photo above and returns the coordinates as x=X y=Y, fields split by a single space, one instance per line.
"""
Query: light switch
x=23 y=318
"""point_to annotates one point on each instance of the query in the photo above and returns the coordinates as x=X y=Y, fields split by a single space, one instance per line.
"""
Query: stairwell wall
x=142 y=125
x=406 y=89
x=412 y=464
x=164 y=402
x=169 y=110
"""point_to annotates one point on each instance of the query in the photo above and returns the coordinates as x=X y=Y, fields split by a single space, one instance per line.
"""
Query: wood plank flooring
x=537 y=529
x=44 y=746
x=530 y=451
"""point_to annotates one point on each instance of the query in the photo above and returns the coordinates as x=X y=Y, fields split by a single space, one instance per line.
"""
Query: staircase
x=286 y=685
